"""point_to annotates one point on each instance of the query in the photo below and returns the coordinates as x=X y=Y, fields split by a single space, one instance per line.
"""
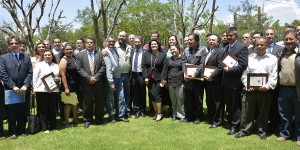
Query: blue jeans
x=289 y=107
x=115 y=101
x=125 y=77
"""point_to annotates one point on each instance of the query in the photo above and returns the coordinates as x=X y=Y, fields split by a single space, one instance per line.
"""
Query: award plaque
x=190 y=70
x=208 y=70
x=229 y=60
x=256 y=80
x=48 y=81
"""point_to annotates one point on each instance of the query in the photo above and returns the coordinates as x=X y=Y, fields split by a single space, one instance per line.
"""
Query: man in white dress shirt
x=258 y=99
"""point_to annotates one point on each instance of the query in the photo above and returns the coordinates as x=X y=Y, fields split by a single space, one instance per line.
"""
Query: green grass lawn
x=143 y=133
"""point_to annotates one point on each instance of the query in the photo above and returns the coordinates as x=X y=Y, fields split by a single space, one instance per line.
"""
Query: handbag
x=33 y=119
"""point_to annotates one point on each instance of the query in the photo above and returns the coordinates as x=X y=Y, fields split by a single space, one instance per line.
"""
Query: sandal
x=155 y=115
x=159 y=117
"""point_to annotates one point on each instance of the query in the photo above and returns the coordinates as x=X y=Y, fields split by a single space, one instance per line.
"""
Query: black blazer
x=213 y=60
x=15 y=73
x=160 y=65
x=232 y=79
x=277 y=49
x=83 y=67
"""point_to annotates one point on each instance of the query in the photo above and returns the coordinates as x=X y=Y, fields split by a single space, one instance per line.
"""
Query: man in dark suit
x=214 y=94
x=232 y=85
x=137 y=82
x=16 y=74
x=274 y=118
x=2 y=109
x=91 y=67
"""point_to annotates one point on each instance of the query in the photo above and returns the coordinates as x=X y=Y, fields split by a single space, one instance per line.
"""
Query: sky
x=284 y=10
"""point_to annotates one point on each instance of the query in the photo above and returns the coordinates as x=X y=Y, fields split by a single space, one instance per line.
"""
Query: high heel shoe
x=159 y=117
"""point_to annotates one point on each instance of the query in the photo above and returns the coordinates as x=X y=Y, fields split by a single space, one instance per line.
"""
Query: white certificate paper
x=257 y=81
x=191 y=71
x=208 y=72
x=50 y=82
x=230 y=62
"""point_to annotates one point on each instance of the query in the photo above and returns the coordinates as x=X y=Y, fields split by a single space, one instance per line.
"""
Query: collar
x=18 y=53
x=231 y=45
x=271 y=45
x=93 y=52
x=141 y=49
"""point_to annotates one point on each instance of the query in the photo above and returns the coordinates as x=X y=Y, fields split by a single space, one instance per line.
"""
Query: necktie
x=207 y=57
x=16 y=56
x=91 y=61
x=135 y=63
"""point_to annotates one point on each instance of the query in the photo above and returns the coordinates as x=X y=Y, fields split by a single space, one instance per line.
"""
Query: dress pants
x=94 y=99
x=16 y=118
x=233 y=106
x=2 y=109
x=46 y=109
x=215 y=105
x=252 y=102
x=177 y=98
x=125 y=77
x=138 y=91
x=289 y=107
x=193 y=102
x=274 y=116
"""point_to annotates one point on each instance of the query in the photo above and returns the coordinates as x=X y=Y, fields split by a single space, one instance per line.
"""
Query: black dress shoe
x=14 y=137
x=232 y=131
x=128 y=115
x=239 y=135
x=213 y=126
x=86 y=125
x=100 y=123
x=137 y=115
x=197 y=121
x=123 y=119
x=143 y=114
x=263 y=137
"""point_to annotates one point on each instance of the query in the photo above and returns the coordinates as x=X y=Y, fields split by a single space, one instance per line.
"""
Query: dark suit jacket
x=232 y=79
x=213 y=60
x=15 y=73
x=160 y=65
x=277 y=49
x=83 y=67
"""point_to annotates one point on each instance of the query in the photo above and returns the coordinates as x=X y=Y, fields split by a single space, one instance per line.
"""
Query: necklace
x=155 y=57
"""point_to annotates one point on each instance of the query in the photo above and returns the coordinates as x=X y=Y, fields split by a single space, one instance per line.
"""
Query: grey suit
x=93 y=94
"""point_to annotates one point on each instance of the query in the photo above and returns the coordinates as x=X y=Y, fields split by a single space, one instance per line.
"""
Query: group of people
x=113 y=80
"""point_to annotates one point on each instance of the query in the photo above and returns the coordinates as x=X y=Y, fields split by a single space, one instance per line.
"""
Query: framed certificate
x=190 y=70
x=11 y=97
x=256 y=80
x=229 y=60
x=208 y=70
x=49 y=82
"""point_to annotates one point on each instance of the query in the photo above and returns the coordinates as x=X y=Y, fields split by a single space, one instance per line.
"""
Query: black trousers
x=215 y=105
x=252 y=102
x=93 y=99
x=193 y=103
x=16 y=118
x=274 y=116
x=233 y=100
x=138 y=90
x=46 y=109
x=2 y=109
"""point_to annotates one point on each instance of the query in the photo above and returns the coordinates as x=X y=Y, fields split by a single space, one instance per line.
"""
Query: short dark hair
x=53 y=56
x=91 y=38
x=81 y=40
x=13 y=37
x=290 y=32
x=196 y=36
x=271 y=28
x=257 y=32
x=234 y=30
x=155 y=33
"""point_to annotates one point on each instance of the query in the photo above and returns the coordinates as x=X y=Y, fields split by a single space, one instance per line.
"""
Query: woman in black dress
x=70 y=79
x=153 y=63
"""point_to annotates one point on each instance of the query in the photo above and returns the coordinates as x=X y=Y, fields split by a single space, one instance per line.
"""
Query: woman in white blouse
x=38 y=52
x=46 y=101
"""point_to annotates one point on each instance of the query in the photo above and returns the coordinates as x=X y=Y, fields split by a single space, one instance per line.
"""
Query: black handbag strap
x=32 y=112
